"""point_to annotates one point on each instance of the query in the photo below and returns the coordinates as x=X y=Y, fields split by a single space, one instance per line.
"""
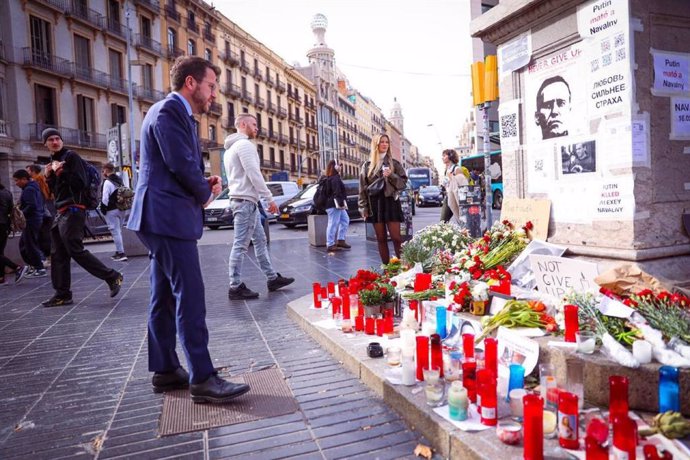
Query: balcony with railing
x=147 y=94
x=282 y=112
x=260 y=102
x=258 y=75
x=38 y=59
x=209 y=144
x=173 y=52
x=5 y=129
x=280 y=86
x=70 y=136
x=272 y=108
x=209 y=37
x=171 y=12
x=260 y=132
x=114 y=27
x=82 y=13
x=244 y=67
x=269 y=80
x=149 y=44
x=193 y=26
x=272 y=135
x=269 y=164
x=247 y=96
x=294 y=118
x=294 y=96
x=232 y=90
x=152 y=5
x=282 y=139
x=229 y=58
x=216 y=108
x=59 y=5
x=228 y=124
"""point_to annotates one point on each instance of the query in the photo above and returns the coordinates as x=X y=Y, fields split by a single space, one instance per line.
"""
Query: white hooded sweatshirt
x=241 y=162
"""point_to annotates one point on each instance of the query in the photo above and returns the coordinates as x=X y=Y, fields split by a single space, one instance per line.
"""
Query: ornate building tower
x=397 y=118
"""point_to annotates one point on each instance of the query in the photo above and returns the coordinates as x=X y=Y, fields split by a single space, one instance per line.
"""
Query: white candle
x=407 y=338
x=408 y=369
x=642 y=351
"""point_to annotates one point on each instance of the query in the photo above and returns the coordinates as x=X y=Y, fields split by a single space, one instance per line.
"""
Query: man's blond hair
x=241 y=117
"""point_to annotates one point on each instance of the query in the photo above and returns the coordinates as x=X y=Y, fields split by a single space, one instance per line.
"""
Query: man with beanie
x=31 y=205
x=67 y=179
x=245 y=186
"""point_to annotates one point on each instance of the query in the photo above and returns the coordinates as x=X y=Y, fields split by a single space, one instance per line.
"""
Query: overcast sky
x=413 y=50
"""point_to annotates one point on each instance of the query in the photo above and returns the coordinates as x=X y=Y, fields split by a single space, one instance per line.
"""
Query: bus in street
x=419 y=177
x=475 y=164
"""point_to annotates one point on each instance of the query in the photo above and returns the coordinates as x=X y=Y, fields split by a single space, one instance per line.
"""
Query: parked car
x=295 y=210
x=219 y=213
x=430 y=195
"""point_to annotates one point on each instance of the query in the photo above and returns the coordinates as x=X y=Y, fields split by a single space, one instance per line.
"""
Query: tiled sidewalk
x=75 y=381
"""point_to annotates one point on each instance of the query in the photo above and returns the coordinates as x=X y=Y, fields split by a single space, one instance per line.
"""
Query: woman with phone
x=381 y=180
x=336 y=208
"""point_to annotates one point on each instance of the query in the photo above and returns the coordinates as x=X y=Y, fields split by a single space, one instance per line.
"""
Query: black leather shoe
x=242 y=292
x=216 y=390
x=169 y=381
x=115 y=284
x=279 y=282
x=343 y=244
x=57 y=301
x=333 y=248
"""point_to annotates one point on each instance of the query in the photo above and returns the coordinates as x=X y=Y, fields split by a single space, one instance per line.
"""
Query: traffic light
x=490 y=78
x=478 y=83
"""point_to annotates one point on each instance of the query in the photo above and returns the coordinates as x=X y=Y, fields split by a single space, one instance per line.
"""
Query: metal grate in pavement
x=269 y=396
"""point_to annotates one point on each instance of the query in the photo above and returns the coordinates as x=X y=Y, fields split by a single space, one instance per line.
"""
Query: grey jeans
x=248 y=228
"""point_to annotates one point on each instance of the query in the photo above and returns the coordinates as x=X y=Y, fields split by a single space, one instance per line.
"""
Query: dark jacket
x=69 y=185
x=335 y=190
x=31 y=204
x=172 y=189
x=396 y=182
x=6 y=203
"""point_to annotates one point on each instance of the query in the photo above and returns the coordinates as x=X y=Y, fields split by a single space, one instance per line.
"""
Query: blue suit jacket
x=172 y=188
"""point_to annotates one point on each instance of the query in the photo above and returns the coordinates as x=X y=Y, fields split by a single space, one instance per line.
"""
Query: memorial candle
x=624 y=437
x=422 y=355
x=422 y=282
x=618 y=396
x=572 y=324
x=345 y=295
x=568 y=428
x=331 y=289
x=370 y=325
x=468 y=345
x=336 y=302
x=359 y=323
x=316 y=287
x=380 y=326
x=533 y=415
x=491 y=355
x=436 y=353
x=469 y=378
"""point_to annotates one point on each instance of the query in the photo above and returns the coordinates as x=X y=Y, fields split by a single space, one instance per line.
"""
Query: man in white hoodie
x=246 y=186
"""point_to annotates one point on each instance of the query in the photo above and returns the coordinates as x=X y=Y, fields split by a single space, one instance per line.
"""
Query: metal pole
x=487 y=164
x=132 y=144
x=299 y=156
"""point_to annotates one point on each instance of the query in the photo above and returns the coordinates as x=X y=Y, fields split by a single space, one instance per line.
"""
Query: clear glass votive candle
x=586 y=342
x=393 y=356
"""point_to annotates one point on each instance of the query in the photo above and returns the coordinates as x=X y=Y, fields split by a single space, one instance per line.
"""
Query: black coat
x=6 y=203
x=68 y=186
x=31 y=203
x=335 y=191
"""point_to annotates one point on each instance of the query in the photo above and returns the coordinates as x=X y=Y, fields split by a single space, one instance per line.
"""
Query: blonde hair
x=374 y=155
x=241 y=118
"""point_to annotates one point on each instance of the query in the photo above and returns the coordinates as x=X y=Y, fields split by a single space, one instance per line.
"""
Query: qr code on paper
x=619 y=40
x=605 y=46
x=606 y=60
x=538 y=165
x=509 y=125
x=595 y=65
x=620 y=54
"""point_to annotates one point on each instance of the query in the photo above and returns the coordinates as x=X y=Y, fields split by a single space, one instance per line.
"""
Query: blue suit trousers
x=177 y=307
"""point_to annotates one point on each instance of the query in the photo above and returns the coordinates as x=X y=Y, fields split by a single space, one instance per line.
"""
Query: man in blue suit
x=167 y=215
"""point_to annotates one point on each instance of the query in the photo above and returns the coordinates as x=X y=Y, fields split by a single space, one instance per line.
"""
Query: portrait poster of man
x=580 y=157
x=555 y=105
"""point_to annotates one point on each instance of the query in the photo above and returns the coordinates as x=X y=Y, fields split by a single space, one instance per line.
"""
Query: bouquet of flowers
x=393 y=267
x=666 y=312
x=413 y=251
x=443 y=236
x=460 y=295
x=519 y=313
x=442 y=261
x=376 y=294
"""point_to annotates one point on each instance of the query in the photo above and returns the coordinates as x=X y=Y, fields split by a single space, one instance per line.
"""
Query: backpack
x=91 y=195
x=124 y=198
x=17 y=219
x=321 y=196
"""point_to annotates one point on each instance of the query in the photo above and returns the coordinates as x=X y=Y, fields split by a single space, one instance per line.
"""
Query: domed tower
x=397 y=118
x=321 y=57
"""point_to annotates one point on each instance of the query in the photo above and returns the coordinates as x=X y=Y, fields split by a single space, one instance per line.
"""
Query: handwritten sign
x=671 y=73
x=557 y=276
x=521 y=210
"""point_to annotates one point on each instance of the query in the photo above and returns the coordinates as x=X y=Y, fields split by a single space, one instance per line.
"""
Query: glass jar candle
x=469 y=378
x=422 y=355
x=669 y=396
x=491 y=355
x=458 y=401
x=568 y=428
x=572 y=324
x=533 y=410
x=618 y=396
x=316 y=290
x=436 y=352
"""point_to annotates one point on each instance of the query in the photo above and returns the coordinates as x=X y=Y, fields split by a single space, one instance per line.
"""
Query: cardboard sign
x=520 y=211
x=557 y=276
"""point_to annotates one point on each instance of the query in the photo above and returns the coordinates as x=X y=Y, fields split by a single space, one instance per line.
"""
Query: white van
x=219 y=214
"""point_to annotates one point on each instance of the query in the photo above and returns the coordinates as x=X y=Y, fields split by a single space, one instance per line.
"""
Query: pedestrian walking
x=36 y=173
x=31 y=205
x=381 y=179
x=450 y=159
x=6 y=205
x=167 y=216
x=114 y=217
x=245 y=187
x=68 y=180
x=336 y=208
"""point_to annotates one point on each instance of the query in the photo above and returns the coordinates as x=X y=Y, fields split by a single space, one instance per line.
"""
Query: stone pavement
x=75 y=381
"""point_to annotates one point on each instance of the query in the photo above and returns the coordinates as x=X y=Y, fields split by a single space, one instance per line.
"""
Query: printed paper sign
x=680 y=118
x=671 y=73
x=520 y=211
x=557 y=276
x=515 y=54
x=509 y=121
x=515 y=349
x=599 y=17
x=616 y=200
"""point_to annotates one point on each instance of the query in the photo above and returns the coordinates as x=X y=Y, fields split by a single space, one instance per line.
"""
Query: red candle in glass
x=380 y=326
x=324 y=292
x=316 y=287
x=359 y=323
x=469 y=378
x=483 y=376
x=422 y=355
x=572 y=324
x=331 y=289
x=341 y=285
x=568 y=427
x=360 y=307
x=336 y=302
x=489 y=402
x=422 y=282
x=436 y=352
x=369 y=325
x=594 y=450
x=414 y=306
x=389 y=325
x=533 y=427
x=491 y=355
x=618 y=396
x=345 y=295
x=468 y=345
x=624 y=437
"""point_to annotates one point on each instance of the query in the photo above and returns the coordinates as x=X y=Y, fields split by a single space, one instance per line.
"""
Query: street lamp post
x=130 y=96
